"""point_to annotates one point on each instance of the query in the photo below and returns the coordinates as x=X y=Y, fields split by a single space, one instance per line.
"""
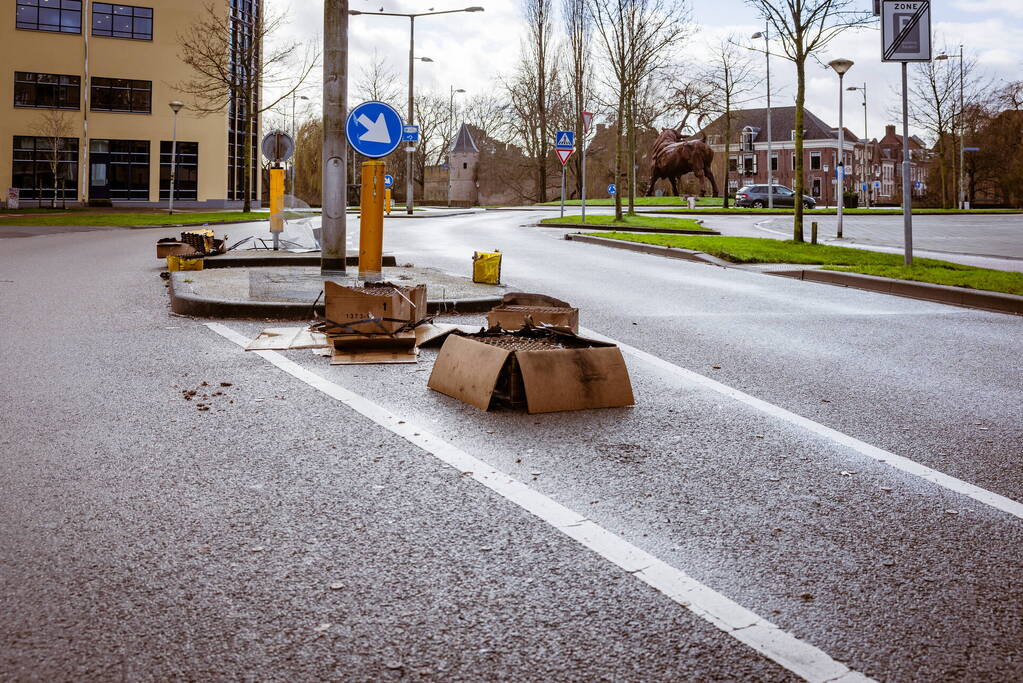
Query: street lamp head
x=473 y=9
x=941 y=58
x=176 y=106
x=424 y=59
x=302 y=97
x=459 y=90
x=854 y=87
x=840 y=65
x=354 y=12
x=758 y=34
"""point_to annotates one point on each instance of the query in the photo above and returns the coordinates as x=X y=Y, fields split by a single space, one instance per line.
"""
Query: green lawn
x=762 y=250
x=128 y=219
x=659 y=222
x=640 y=201
x=847 y=212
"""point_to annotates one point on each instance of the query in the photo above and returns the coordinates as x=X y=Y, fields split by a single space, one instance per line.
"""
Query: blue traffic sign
x=877 y=184
x=374 y=129
x=611 y=189
x=410 y=133
x=564 y=139
x=388 y=180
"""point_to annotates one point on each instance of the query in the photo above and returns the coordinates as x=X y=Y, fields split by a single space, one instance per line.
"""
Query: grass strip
x=846 y=259
x=847 y=212
x=660 y=222
x=130 y=219
x=640 y=201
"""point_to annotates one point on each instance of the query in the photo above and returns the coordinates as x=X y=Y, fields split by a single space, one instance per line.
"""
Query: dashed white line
x=899 y=462
x=798 y=656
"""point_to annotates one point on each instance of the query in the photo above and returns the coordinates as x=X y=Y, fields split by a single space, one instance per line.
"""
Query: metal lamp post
x=866 y=144
x=411 y=74
x=770 y=137
x=451 y=108
x=294 y=136
x=175 y=107
x=962 y=123
x=840 y=66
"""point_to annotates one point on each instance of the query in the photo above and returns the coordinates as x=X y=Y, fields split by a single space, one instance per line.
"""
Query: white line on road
x=799 y=657
x=897 y=461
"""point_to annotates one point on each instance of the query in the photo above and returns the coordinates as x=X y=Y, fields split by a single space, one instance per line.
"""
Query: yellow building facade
x=85 y=89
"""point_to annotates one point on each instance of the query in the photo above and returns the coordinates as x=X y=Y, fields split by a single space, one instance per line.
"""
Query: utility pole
x=333 y=251
x=840 y=66
x=770 y=155
x=962 y=131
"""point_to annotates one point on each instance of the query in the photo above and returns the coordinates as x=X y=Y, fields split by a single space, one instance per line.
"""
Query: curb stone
x=945 y=294
x=629 y=228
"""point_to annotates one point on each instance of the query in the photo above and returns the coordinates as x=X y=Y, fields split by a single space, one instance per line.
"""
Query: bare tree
x=531 y=86
x=378 y=81
x=577 y=58
x=934 y=108
x=805 y=28
x=232 y=63
x=691 y=101
x=637 y=38
x=56 y=127
x=486 y=112
x=730 y=77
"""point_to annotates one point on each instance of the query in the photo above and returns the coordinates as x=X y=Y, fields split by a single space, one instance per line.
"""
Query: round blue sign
x=611 y=189
x=388 y=180
x=373 y=129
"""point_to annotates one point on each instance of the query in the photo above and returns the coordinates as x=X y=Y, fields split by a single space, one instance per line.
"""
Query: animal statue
x=671 y=157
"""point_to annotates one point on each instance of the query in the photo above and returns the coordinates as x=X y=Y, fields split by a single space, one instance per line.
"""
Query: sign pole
x=907 y=194
x=583 y=194
x=563 y=190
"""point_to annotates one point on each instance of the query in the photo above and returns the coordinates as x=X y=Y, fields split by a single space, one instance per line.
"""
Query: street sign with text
x=905 y=31
x=410 y=133
x=564 y=139
x=374 y=129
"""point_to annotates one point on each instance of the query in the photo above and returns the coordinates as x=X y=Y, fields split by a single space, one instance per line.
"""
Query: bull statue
x=672 y=157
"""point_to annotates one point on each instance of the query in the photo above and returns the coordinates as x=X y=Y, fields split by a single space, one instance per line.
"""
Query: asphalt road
x=281 y=535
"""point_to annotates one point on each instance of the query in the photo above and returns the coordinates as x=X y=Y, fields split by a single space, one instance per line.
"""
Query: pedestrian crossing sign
x=564 y=139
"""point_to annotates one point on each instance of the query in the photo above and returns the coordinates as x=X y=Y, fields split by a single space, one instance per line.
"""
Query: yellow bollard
x=276 y=203
x=371 y=221
x=387 y=201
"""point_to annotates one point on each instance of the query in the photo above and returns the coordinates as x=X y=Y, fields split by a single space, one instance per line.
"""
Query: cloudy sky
x=471 y=51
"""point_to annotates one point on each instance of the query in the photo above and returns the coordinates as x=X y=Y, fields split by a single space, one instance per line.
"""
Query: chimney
x=889 y=131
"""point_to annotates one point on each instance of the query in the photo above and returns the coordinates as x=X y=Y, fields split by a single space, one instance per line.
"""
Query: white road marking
x=798 y=656
x=899 y=462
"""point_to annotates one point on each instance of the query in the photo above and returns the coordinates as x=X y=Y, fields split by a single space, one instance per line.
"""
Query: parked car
x=756 y=196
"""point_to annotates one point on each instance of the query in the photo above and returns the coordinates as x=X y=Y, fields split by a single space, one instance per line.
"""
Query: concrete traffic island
x=289 y=292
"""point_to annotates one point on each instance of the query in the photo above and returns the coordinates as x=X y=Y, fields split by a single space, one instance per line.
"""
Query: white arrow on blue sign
x=388 y=180
x=564 y=139
x=877 y=184
x=373 y=129
x=410 y=133
x=611 y=189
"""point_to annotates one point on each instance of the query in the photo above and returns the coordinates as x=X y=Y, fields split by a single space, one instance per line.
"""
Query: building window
x=44 y=170
x=774 y=162
x=59 y=16
x=793 y=161
x=733 y=163
x=186 y=180
x=749 y=164
x=119 y=170
x=816 y=192
x=122 y=21
x=121 y=94
x=50 y=91
x=815 y=161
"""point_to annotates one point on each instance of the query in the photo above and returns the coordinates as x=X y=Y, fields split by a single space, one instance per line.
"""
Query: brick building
x=865 y=161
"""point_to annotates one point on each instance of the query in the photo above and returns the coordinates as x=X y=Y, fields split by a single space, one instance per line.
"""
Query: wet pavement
x=283 y=534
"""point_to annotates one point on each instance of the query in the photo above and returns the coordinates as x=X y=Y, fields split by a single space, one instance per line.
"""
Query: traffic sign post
x=277 y=147
x=410 y=133
x=612 y=189
x=374 y=129
x=564 y=139
x=563 y=155
x=906 y=37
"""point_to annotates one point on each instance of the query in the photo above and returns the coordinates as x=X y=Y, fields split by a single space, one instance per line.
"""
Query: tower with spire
x=463 y=157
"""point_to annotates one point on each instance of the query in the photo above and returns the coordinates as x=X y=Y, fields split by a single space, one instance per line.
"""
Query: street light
x=175 y=107
x=451 y=108
x=866 y=144
x=962 y=124
x=770 y=171
x=840 y=66
x=294 y=138
x=411 y=74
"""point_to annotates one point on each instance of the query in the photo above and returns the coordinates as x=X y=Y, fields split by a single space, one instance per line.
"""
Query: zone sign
x=905 y=31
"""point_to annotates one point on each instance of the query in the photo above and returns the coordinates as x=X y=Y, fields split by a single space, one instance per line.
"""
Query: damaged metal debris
x=530 y=355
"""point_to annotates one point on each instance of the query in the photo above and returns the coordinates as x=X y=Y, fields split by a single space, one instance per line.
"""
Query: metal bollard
x=813 y=232
x=371 y=223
